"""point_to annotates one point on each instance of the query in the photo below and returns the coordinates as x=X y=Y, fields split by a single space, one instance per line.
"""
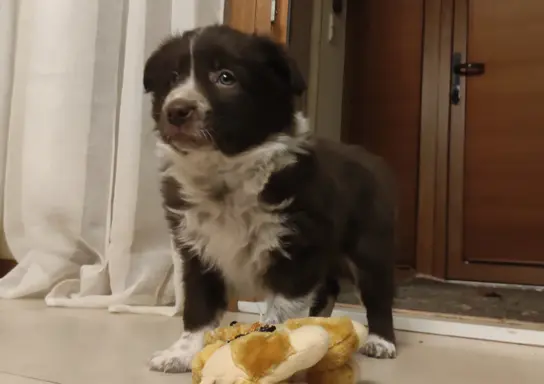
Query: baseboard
x=511 y=332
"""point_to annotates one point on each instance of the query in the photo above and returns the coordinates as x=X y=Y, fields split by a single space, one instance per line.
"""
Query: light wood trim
x=433 y=160
x=255 y=16
x=263 y=19
x=428 y=137
x=263 y=23
x=241 y=14
x=457 y=146
x=280 y=27
x=443 y=130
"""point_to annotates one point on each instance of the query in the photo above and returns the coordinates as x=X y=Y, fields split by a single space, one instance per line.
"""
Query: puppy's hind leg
x=281 y=308
x=374 y=261
x=325 y=298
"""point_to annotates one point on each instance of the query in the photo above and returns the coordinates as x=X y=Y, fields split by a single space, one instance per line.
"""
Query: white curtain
x=81 y=208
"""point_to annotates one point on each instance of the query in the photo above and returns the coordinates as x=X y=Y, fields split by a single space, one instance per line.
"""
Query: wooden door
x=261 y=16
x=496 y=180
x=382 y=96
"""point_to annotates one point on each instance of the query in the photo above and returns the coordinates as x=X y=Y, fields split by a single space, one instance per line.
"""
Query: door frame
x=431 y=242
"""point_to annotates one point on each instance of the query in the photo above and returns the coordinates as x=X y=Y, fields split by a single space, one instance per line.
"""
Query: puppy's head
x=217 y=87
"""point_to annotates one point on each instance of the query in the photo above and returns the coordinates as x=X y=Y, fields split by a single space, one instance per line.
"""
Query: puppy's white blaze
x=188 y=89
x=182 y=91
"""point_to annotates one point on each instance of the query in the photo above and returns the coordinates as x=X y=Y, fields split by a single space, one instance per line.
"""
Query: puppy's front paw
x=379 y=348
x=171 y=361
x=272 y=320
x=178 y=358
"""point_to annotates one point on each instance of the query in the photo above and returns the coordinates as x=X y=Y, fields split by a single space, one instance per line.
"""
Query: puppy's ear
x=166 y=61
x=284 y=66
x=298 y=84
x=151 y=72
x=159 y=64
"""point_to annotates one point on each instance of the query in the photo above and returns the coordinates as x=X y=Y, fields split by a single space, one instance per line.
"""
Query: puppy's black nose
x=179 y=111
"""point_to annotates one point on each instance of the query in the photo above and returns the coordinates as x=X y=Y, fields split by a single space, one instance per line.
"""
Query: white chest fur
x=227 y=224
x=235 y=236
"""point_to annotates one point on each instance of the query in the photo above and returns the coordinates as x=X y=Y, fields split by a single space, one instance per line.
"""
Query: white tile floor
x=43 y=345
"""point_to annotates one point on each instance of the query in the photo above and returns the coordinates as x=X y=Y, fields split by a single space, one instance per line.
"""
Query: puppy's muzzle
x=179 y=112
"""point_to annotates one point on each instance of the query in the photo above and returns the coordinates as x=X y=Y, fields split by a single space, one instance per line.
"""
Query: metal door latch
x=459 y=69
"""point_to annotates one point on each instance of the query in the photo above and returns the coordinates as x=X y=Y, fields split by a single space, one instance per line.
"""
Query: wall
x=326 y=88
x=196 y=13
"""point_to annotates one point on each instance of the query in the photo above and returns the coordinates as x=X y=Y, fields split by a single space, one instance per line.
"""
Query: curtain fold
x=81 y=205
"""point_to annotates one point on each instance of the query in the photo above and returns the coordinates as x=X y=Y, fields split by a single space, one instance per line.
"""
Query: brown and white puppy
x=253 y=202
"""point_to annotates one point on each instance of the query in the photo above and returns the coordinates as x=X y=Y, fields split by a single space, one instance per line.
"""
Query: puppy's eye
x=174 y=78
x=226 y=78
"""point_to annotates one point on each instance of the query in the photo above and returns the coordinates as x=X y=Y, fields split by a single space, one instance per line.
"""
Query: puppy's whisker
x=208 y=134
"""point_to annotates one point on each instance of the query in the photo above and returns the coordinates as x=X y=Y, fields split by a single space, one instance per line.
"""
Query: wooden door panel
x=502 y=188
x=504 y=183
x=241 y=14
x=255 y=16
x=384 y=44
